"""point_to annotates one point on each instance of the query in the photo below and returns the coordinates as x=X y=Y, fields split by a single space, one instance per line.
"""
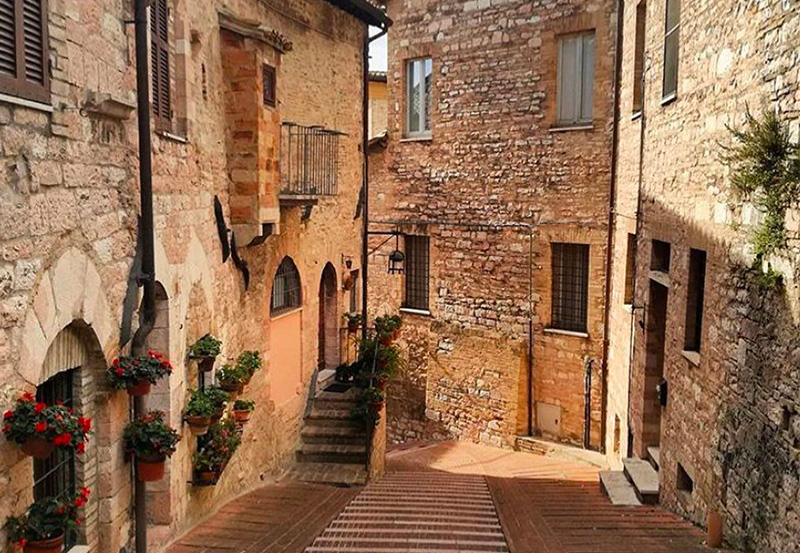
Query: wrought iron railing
x=309 y=159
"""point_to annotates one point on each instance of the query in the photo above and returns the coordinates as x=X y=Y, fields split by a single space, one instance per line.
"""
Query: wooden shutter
x=24 y=67
x=269 y=86
x=160 y=70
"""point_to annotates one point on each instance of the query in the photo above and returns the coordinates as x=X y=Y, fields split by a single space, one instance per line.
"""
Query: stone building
x=687 y=307
x=494 y=183
x=239 y=89
x=378 y=104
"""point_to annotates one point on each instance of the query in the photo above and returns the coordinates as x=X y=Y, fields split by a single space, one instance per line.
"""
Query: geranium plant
x=198 y=411
x=149 y=436
x=243 y=410
x=232 y=379
x=218 y=397
x=130 y=371
x=207 y=346
x=31 y=422
x=249 y=361
x=221 y=442
x=48 y=519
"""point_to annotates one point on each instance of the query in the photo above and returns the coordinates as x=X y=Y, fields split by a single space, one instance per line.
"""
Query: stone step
x=320 y=434
x=618 y=489
x=333 y=453
x=654 y=456
x=411 y=542
x=329 y=473
x=644 y=479
x=332 y=417
x=325 y=378
x=333 y=405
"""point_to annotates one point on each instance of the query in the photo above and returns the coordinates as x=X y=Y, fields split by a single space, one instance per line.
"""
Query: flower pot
x=352 y=328
x=217 y=416
x=150 y=468
x=141 y=388
x=396 y=335
x=205 y=364
x=231 y=387
x=54 y=545
x=198 y=425
x=207 y=476
x=38 y=448
x=376 y=406
x=241 y=417
x=386 y=341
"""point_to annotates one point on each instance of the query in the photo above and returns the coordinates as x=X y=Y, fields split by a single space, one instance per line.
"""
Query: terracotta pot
x=247 y=380
x=376 y=406
x=396 y=334
x=207 y=476
x=38 y=448
x=715 y=527
x=386 y=341
x=140 y=389
x=242 y=416
x=205 y=364
x=217 y=416
x=198 y=425
x=55 y=545
x=231 y=387
x=150 y=468
x=352 y=328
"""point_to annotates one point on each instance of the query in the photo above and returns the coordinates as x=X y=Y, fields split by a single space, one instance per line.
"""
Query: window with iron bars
x=309 y=160
x=286 y=292
x=55 y=475
x=570 y=286
x=417 y=272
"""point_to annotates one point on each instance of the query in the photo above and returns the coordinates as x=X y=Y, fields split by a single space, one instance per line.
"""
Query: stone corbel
x=253 y=29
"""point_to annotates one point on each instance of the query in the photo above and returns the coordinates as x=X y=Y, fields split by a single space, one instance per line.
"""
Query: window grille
x=309 y=160
x=269 y=81
x=694 y=300
x=575 y=78
x=570 y=286
x=671 y=49
x=417 y=272
x=286 y=292
x=24 y=60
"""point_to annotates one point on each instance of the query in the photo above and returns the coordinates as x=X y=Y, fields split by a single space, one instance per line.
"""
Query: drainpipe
x=148 y=310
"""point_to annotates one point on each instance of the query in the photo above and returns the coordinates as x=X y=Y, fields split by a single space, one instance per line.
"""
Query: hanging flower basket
x=198 y=425
x=205 y=351
x=137 y=373
x=151 y=441
x=141 y=388
x=150 y=468
x=44 y=526
x=39 y=428
x=242 y=411
x=54 y=545
x=38 y=448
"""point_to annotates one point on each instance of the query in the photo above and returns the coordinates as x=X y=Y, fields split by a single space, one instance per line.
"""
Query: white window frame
x=424 y=103
x=579 y=121
x=668 y=32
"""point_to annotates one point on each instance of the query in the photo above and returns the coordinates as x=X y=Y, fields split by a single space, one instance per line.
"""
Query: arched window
x=286 y=293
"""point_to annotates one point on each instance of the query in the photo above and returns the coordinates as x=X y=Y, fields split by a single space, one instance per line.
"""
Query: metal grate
x=417 y=272
x=55 y=476
x=286 y=293
x=570 y=286
x=309 y=160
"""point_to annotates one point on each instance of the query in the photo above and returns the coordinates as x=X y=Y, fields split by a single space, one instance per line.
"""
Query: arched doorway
x=328 y=320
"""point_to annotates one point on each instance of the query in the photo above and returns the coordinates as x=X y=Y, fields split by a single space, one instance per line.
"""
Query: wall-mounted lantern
x=396 y=259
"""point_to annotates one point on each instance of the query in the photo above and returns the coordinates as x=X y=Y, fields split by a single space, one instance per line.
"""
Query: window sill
x=636 y=115
x=692 y=356
x=666 y=100
x=173 y=137
x=420 y=138
x=79 y=549
x=660 y=277
x=284 y=313
x=572 y=333
x=417 y=312
x=22 y=102
x=627 y=307
x=569 y=128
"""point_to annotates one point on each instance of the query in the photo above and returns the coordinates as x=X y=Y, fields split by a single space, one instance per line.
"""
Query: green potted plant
x=150 y=440
x=369 y=403
x=249 y=362
x=353 y=321
x=39 y=428
x=198 y=412
x=47 y=522
x=243 y=410
x=219 y=398
x=231 y=379
x=205 y=351
x=137 y=373
x=379 y=363
x=220 y=444
x=388 y=328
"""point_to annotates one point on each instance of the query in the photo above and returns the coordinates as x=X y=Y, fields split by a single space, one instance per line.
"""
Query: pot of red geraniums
x=353 y=321
x=249 y=362
x=198 y=412
x=231 y=379
x=43 y=528
x=150 y=440
x=205 y=351
x=243 y=410
x=137 y=373
x=39 y=428
x=219 y=398
x=220 y=444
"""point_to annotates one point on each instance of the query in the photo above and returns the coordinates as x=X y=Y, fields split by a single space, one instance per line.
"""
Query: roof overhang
x=364 y=10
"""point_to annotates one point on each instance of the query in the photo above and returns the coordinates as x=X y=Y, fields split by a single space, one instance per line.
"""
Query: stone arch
x=328 y=322
x=287 y=288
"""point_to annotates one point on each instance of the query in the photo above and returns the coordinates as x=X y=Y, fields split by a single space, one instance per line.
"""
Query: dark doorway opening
x=328 y=320
x=654 y=363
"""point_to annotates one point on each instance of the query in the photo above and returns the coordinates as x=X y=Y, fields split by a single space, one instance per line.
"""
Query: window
x=286 y=293
x=630 y=269
x=638 y=57
x=694 y=300
x=575 y=78
x=354 y=291
x=160 y=65
x=419 y=74
x=269 y=86
x=671 y=49
x=417 y=272
x=55 y=476
x=570 y=286
x=661 y=256
x=24 y=69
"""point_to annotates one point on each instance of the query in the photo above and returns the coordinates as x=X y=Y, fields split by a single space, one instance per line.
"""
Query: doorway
x=654 y=363
x=328 y=334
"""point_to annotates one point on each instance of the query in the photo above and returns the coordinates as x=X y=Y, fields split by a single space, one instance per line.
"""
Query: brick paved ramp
x=280 y=518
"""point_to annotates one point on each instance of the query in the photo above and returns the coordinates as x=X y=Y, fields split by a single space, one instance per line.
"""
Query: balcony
x=309 y=164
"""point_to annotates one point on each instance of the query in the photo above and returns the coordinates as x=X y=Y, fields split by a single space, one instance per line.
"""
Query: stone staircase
x=333 y=446
x=637 y=483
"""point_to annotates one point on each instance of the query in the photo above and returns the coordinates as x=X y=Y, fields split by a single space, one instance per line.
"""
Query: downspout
x=612 y=220
x=530 y=331
x=148 y=308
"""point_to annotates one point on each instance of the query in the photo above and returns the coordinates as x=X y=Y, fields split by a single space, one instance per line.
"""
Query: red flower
x=120 y=372
x=63 y=439
x=81 y=447
x=85 y=492
x=85 y=423
x=39 y=407
x=78 y=521
x=80 y=501
x=8 y=414
x=41 y=426
x=22 y=542
x=27 y=396
x=6 y=428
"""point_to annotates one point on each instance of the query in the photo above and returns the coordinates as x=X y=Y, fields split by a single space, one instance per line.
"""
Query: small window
x=24 y=52
x=160 y=65
x=694 y=300
x=638 y=58
x=419 y=74
x=286 y=292
x=660 y=260
x=671 y=49
x=417 y=272
x=575 y=78
x=684 y=481
x=269 y=86
x=630 y=269
x=354 y=291
x=570 y=286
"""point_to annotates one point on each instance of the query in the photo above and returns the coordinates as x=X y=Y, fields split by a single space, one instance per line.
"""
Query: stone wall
x=493 y=187
x=68 y=206
x=730 y=421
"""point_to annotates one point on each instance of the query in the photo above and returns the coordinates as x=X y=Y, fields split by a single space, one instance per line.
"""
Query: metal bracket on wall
x=240 y=263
